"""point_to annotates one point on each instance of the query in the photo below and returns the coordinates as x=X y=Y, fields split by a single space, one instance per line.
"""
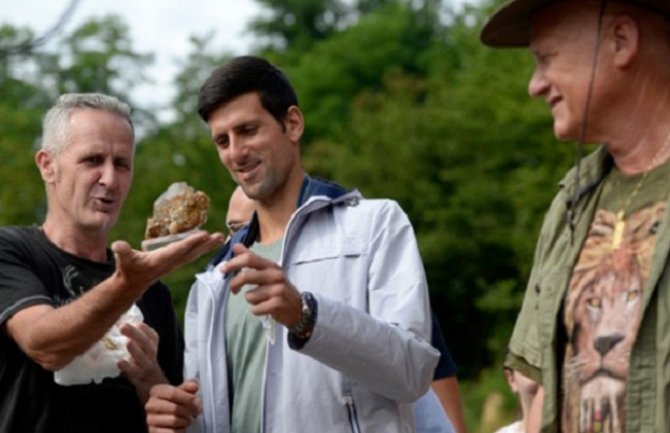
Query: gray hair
x=56 y=121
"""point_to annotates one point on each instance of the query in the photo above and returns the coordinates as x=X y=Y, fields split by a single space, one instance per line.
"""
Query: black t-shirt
x=34 y=271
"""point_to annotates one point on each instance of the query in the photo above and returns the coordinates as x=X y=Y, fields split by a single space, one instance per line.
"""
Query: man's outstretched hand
x=137 y=270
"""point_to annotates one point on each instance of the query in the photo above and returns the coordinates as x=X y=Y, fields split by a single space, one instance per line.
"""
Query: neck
x=638 y=131
x=642 y=154
x=91 y=246
x=275 y=212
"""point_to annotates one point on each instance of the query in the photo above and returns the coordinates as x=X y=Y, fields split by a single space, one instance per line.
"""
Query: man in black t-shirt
x=62 y=288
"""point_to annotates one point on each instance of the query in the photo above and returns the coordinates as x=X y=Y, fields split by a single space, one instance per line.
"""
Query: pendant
x=619 y=227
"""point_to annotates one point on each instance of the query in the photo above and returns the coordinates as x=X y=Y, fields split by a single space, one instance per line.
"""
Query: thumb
x=121 y=249
x=190 y=386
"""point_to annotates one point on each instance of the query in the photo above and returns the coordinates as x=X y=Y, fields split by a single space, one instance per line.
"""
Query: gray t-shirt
x=245 y=353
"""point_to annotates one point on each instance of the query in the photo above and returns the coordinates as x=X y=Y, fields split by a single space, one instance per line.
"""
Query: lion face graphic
x=606 y=318
x=602 y=317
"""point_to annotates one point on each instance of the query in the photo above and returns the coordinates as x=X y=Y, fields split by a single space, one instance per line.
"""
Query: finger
x=143 y=342
x=236 y=263
x=156 y=429
x=199 y=243
x=169 y=414
x=143 y=331
x=190 y=386
x=129 y=369
x=281 y=309
x=244 y=258
x=188 y=248
x=168 y=399
x=139 y=333
x=139 y=354
x=254 y=277
x=166 y=430
x=168 y=421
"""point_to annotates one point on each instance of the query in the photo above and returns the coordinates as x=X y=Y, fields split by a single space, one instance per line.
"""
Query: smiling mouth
x=247 y=171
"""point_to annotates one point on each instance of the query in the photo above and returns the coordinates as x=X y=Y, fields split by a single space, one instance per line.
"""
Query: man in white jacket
x=314 y=315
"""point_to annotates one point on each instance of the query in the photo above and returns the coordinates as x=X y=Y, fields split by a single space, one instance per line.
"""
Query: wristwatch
x=305 y=325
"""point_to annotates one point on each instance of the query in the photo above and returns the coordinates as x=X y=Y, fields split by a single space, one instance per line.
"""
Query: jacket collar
x=311 y=187
x=595 y=168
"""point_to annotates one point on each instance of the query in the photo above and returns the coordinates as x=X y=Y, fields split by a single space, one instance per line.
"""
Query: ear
x=294 y=122
x=46 y=164
x=625 y=40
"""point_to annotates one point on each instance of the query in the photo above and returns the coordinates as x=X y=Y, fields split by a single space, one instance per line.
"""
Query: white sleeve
x=386 y=349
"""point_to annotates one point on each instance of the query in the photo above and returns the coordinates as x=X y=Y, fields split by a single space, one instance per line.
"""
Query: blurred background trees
x=401 y=101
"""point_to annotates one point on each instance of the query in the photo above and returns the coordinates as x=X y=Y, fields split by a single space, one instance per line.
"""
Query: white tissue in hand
x=99 y=361
x=269 y=326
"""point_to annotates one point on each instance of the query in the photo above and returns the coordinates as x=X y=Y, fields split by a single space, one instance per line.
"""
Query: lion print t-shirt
x=604 y=298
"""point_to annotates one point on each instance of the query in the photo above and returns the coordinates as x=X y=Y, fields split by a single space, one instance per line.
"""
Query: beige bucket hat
x=509 y=26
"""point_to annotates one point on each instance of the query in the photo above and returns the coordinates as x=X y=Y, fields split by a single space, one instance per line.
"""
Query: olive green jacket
x=534 y=343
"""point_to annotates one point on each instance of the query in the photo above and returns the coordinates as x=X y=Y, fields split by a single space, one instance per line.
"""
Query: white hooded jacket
x=369 y=357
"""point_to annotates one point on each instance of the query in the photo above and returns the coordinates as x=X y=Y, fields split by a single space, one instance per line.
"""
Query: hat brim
x=509 y=26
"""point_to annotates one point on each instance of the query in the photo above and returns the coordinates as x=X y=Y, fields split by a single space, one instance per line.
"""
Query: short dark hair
x=242 y=75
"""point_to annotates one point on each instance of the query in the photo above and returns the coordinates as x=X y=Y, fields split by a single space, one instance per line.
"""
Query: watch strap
x=300 y=332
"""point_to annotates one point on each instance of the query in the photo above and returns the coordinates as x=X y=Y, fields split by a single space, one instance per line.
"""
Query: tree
x=333 y=72
x=21 y=108
x=97 y=57
x=297 y=24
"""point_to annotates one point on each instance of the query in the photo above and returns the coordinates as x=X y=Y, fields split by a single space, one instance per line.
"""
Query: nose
x=108 y=175
x=606 y=343
x=237 y=150
x=538 y=84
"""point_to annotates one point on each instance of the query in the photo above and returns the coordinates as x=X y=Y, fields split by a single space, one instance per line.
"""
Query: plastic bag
x=99 y=361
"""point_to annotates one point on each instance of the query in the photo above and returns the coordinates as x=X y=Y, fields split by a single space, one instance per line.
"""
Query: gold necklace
x=620 y=224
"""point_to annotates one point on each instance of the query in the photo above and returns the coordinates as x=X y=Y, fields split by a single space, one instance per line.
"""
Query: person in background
x=592 y=330
x=445 y=380
x=62 y=288
x=525 y=390
x=240 y=210
x=316 y=313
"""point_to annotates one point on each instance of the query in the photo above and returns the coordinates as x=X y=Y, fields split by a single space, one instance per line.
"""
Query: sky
x=161 y=27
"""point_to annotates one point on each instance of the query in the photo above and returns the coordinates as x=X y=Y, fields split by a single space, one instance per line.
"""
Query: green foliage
x=429 y=117
x=401 y=100
x=21 y=108
x=489 y=403
x=297 y=23
x=98 y=57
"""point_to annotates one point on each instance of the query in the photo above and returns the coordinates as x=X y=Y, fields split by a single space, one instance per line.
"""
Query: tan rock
x=179 y=209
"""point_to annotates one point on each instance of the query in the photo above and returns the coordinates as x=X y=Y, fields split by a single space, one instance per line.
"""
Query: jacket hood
x=311 y=187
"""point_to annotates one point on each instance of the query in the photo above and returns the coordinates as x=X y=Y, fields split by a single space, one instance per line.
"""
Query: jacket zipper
x=352 y=414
